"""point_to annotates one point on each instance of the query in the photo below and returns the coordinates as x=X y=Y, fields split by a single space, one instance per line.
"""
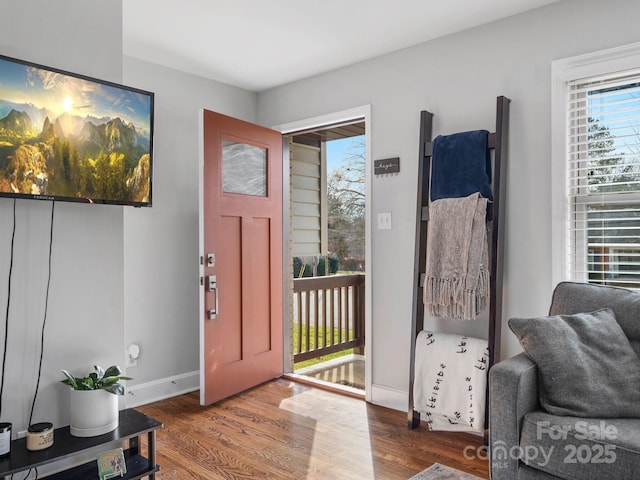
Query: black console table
x=132 y=425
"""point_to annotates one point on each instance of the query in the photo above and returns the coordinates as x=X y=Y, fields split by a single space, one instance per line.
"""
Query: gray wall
x=161 y=243
x=119 y=275
x=86 y=304
x=458 y=79
x=126 y=275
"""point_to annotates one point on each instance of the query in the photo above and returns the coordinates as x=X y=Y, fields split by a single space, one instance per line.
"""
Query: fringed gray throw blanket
x=457 y=275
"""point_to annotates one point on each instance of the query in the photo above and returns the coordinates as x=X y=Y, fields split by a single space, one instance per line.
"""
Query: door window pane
x=244 y=169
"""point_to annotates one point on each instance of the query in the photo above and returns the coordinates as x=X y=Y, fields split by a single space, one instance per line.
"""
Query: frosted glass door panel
x=244 y=169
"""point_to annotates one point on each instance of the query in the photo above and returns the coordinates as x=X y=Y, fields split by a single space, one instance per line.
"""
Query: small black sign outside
x=388 y=165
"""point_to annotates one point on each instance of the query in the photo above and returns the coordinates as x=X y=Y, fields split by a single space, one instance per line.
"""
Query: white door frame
x=320 y=122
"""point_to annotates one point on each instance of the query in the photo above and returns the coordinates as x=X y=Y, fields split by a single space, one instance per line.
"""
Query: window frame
x=563 y=71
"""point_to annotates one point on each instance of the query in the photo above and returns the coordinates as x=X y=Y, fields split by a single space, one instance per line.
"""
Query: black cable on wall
x=44 y=320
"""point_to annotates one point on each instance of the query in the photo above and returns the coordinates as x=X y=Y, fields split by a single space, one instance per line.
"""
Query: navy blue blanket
x=461 y=165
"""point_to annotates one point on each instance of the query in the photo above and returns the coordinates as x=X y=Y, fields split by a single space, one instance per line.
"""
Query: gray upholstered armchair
x=528 y=442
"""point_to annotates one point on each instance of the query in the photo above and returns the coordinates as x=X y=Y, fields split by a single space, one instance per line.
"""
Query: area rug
x=442 y=472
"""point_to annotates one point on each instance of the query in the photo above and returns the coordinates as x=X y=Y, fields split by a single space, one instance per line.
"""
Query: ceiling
x=315 y=137
x=261 y=44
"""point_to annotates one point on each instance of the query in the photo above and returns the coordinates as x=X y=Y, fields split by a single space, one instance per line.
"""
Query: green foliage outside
x=607 y=173
x=616 y=223
x=298 y=264
x=312 y=343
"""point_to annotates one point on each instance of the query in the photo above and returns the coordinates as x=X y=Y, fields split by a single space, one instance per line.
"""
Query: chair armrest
x=513 y=392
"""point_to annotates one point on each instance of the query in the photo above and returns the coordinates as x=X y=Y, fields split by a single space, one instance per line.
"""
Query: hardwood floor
x=286 y=430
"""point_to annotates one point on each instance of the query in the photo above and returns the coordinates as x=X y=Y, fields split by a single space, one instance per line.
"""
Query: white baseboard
x=163 y=388
x=389 y=397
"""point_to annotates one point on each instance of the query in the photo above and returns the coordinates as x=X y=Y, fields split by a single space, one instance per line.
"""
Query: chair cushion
x=586 y=365
x=581 y=448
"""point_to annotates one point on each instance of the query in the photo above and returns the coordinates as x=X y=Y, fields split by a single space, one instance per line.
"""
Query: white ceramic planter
x=93 y=412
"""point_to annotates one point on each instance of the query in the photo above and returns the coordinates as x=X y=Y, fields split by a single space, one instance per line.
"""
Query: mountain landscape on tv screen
x=67 y=155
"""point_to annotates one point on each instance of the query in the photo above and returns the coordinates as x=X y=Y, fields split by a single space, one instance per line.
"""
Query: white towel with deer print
x=450 y=381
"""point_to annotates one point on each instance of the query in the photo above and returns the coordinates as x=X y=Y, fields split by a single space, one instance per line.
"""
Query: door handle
x=212 y=286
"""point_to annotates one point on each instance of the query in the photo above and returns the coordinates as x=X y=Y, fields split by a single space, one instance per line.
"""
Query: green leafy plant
x=100 y=379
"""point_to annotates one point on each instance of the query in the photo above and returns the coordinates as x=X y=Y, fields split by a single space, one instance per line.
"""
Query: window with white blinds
x=604 y=179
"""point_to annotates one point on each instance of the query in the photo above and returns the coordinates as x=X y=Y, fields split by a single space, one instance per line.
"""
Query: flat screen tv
x=65 y=136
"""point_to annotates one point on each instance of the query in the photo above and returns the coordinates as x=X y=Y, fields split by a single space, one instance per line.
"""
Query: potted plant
x=94 y=400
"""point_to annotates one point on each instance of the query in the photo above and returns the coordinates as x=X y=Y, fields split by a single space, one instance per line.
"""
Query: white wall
x=458 y=79
x=126 y=275
x=161 y=243
x=86 y=303
x=119 y=275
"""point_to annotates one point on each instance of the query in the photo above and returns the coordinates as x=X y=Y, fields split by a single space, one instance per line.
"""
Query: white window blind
x=604 y=179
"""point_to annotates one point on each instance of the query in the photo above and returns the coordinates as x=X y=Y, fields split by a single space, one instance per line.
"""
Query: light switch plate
x=384 y=221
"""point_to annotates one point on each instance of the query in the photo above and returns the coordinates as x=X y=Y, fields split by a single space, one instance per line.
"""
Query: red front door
x=241 y=328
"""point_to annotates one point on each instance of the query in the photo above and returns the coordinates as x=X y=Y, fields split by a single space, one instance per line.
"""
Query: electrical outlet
x=132 y=353
x=384 y=221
